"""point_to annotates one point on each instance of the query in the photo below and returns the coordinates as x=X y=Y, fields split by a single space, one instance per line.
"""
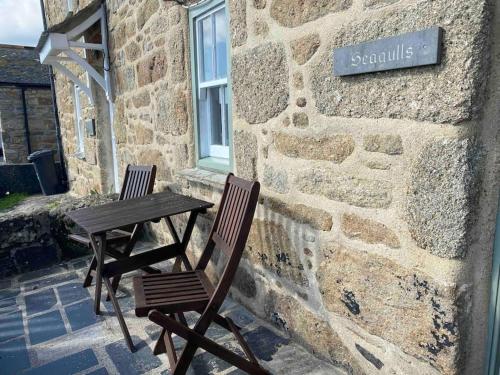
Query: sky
x=20 y=22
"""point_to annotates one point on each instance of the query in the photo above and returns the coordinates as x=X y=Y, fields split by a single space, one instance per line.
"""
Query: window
x=209 y=31
x=80 y=145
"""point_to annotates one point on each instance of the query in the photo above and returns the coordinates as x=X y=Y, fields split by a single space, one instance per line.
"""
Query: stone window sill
x=197 y=175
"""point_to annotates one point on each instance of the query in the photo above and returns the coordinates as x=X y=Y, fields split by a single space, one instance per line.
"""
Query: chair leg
x=114 y=284
x=196 y=340
x=181 y=318
x=221 y=321
x=165 y=344
x=160 y=344
x=185 y=359
x=169 y=346
x=92 y=267
x=227 y=355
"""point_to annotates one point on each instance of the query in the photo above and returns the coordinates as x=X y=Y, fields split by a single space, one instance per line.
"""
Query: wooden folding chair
x=165 y=297
x=138 y=181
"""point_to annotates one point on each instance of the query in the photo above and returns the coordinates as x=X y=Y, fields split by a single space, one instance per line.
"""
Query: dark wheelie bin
x=45 y=169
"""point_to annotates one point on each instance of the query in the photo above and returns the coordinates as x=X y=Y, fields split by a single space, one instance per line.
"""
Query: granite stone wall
x=34 y=234
x=40 y=121
x=372 y=240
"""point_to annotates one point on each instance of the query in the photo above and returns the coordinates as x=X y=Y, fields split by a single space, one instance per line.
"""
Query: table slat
x=123 y=213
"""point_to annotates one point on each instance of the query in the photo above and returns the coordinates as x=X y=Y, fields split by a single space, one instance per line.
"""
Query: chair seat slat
x=170 y=281
x=190 y=298
x=205 y=281
x=151 y=295
x=171 y=276
x=166 y=286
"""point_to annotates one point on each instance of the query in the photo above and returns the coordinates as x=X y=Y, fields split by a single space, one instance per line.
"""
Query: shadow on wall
x=278 y=246
x=276 y=243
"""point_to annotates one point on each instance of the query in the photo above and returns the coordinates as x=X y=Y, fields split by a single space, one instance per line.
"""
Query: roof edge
x=71 y=21
x=16 y=46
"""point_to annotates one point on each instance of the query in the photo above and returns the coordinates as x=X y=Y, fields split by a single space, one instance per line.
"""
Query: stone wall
x=151 y=98
x=88 y=172
x=12 y=125
x=34 y=233
x=372 y=240
x=40 y=121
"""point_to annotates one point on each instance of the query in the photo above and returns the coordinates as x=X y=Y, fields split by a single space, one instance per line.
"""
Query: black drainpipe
x=26 y=123
x=60 y=151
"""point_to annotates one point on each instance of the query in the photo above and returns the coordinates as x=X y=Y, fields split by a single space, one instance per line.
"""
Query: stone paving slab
x=48 y=327
x=41 y=301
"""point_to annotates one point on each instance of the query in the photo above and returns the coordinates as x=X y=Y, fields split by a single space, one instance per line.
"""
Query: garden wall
x=33 y=234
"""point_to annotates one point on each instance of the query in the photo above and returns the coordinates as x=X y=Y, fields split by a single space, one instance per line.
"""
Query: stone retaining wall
x=372 y=241
x=33 y=234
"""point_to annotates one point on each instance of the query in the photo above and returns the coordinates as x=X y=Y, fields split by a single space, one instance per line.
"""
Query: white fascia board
x=54 y=44
x=60 y=47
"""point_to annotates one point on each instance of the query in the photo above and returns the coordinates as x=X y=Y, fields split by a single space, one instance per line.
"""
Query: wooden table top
x=118 y=214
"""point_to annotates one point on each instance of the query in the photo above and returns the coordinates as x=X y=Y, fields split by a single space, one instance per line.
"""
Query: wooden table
x=96 y=221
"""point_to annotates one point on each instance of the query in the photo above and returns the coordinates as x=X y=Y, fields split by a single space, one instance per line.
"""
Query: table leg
x=99 y=247
x=186 y=237
x=172 y=230
x=88 y=278
x=175 y=236
x=182 y=259
x=177 y=265
x=119 y=315
x=126 y=253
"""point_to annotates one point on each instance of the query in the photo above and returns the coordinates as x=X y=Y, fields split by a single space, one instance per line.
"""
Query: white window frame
x=206 y=147
x=79 y=123
x=79 y=131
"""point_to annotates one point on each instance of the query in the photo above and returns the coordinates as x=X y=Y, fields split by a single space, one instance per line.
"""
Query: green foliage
x=52 y=205
x=11 y=200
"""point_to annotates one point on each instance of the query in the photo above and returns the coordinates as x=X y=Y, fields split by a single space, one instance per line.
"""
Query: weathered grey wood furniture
x=165 y=297
x=99 y=221
x=138 y=181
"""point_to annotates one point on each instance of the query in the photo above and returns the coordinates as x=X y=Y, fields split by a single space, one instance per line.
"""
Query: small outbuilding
x=26 y=110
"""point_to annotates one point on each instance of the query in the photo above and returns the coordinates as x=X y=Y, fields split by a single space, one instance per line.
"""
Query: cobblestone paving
x=47 y=326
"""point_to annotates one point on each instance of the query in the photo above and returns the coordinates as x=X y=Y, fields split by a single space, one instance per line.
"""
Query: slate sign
x=402 y=51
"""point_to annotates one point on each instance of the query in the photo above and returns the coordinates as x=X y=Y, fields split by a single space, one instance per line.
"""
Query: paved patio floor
x=47 y=326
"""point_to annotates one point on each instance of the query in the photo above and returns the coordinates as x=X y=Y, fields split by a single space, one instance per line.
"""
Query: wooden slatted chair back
x=138 y=181
x=230 y=230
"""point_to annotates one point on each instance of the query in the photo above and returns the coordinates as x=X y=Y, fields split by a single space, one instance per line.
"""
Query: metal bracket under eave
x=61 y=47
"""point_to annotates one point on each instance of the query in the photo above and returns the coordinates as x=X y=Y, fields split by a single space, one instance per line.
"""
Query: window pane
x=220 y=43
x=226 y=116
x=216 y=118
x=207 y=49
x=204 y=123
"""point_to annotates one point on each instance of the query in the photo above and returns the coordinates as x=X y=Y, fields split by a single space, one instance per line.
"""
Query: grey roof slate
x=21 y=65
